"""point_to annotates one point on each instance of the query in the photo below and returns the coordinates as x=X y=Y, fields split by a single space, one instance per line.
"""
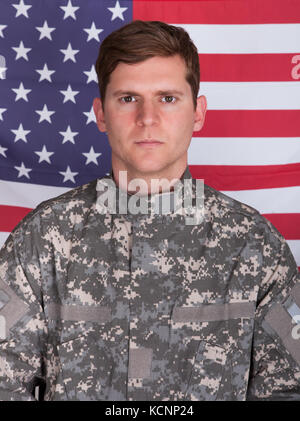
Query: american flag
x=249 y=52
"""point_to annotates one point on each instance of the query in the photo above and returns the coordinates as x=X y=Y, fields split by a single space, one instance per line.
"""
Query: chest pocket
x=83 y=349
x=212 y=345
x=85 y=367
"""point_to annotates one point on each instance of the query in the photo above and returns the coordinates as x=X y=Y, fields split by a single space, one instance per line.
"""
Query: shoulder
x=77 y=201
x=239 y=217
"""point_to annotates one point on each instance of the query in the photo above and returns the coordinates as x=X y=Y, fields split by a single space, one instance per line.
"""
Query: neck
x=134 y=182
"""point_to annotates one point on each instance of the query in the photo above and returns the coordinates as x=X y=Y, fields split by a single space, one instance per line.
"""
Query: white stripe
x=3 y=237
x=279 y=200
x=27 y=195
x=251 y=95
x=295 y=249
x=245 y=39
x=244 y=151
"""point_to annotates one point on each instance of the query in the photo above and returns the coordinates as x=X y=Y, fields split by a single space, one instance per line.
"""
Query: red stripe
x=249 y=67
x=250 y=123
x=243 y=177
x=10 y=216
x=218 y=11
x=288 y=224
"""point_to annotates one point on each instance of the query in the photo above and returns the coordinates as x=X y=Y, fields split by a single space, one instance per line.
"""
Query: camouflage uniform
x=103 y=306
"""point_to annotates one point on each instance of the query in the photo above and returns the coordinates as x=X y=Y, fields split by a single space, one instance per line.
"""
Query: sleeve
x=275 y=365
x=23 y=329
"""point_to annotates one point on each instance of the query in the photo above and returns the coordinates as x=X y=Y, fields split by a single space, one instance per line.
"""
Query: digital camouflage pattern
x=101 y=306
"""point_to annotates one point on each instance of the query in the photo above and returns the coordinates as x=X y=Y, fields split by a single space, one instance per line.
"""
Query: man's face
x=146 y=101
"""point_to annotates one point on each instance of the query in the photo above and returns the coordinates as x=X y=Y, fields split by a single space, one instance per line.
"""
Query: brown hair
x=140 y=40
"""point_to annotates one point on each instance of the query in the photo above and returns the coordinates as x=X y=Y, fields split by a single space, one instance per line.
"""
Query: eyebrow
x=132 y=93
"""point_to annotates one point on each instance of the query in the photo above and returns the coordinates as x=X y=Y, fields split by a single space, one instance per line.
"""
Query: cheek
x=181 y=125
x=119 y=123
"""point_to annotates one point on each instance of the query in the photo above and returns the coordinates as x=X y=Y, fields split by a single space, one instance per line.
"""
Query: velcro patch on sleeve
x=284 y=320
x=12 y=309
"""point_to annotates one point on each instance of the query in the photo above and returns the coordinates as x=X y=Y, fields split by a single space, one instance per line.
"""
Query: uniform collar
x=190 y=191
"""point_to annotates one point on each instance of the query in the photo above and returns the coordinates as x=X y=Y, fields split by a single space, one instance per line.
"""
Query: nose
x=147 y=113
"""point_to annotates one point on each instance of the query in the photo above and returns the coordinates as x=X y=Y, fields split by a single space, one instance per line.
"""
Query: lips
x=149 y=142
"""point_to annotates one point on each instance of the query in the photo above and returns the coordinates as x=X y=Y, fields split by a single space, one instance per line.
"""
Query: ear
x=200 y=113
x=97 y=106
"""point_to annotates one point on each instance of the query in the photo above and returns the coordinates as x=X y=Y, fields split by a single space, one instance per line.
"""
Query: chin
x=149 y=168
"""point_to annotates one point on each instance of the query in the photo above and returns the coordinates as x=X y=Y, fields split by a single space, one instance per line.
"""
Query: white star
x=23 y=171
x=44 y=155
x=69 y=95
x=21 y=92
x=90 y=115
x=69 y=10
x=69 y=53
x=21 y=51
x=68 y=175
x=1 y=29
x=21 y=9
x=68 y=135
x=45 y=31
x=117 y=11
x=92 y=75
x=21 y=133
x=2 y=72
x=91 y=156
x=45 y=114
x=93 y=32
x=45 y=73
x=2 y=110
x=2 y=151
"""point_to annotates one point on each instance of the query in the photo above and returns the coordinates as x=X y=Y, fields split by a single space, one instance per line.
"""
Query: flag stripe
x=27 y=195
x=239 y=177
x=244 y=151
x=287 y=224
x=249 y=67
x=288 y=197
x=251 y=123
x=221 y=12
x=245 y=39
x=251 y=95
x=295 y=249
x=3 y=237
x=277 y=200
x=10 y=216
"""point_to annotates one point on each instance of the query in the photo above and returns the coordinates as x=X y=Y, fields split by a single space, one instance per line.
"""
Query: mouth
x=149 y=142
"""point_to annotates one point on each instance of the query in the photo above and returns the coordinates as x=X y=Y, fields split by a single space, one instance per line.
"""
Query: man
x=98 y=304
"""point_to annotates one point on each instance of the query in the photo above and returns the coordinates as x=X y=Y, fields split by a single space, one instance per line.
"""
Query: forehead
x=158 y=70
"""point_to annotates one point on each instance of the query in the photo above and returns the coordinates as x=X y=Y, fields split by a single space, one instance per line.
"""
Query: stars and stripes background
x=249 y=52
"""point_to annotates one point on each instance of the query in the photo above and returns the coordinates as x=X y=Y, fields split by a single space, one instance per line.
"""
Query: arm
x=23 y=330
x=275 y=366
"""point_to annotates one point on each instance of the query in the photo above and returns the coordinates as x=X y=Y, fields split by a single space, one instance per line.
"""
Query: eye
x=170 y=99
x=125 y=98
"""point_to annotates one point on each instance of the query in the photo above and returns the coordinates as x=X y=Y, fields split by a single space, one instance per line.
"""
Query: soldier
x=101 y=304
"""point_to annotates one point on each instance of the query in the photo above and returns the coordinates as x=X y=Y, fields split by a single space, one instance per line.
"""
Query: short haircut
x=141 y=40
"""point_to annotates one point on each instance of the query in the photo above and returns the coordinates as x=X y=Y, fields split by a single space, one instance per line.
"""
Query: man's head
x=140 y=40
x=148 y=75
